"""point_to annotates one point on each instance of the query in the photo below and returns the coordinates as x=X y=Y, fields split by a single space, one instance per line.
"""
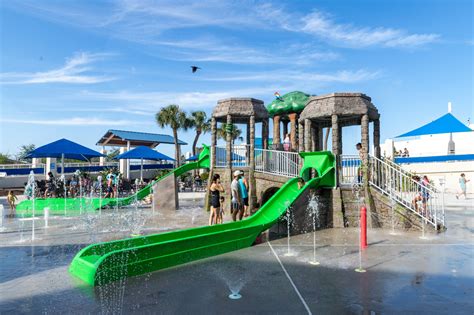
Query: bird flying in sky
x=194 y=68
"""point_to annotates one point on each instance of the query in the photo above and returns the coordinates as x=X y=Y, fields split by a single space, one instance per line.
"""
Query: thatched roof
x=240 y=109
x=348 y=106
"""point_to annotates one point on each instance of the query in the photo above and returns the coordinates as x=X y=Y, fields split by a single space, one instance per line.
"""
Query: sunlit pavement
x=404 y=273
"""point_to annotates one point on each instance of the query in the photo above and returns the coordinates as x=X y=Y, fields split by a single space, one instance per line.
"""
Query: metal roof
x=114 y=137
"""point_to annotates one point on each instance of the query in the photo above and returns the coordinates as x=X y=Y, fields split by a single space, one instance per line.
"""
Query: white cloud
x=152 y=101
x=75 y=121
x=322 y=26
x=344 y=76
x=77 y=70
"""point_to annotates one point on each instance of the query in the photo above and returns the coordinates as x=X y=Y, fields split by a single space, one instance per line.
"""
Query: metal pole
x=141 y=170
x=62 y=165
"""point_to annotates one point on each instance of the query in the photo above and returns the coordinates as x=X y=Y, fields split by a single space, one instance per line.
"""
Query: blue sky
x=75 y=69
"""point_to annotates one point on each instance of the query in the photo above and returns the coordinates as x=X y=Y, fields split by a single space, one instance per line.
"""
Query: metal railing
x=239 y=156
x=405 y=172
x=349 y=171
x=23 y=165
x=418 y=197
x=281 y=163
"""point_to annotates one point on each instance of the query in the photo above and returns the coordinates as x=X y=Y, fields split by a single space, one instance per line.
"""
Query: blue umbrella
x=143 y=153
x=64 y=148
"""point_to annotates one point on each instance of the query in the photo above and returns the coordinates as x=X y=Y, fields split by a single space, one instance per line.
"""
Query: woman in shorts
x=215 y=190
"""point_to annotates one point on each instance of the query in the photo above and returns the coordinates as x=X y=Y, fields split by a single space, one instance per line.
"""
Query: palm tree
x=175 y=118
x=201 y=124
x=235 y=131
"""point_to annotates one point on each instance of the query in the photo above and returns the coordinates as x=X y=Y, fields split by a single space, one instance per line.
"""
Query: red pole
x=363 y=227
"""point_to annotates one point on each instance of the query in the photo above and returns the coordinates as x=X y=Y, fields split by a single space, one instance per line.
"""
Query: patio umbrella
x=64 y=148
x=143 y=153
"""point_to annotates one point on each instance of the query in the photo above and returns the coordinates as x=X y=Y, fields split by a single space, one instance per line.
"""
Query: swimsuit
x=215 y=198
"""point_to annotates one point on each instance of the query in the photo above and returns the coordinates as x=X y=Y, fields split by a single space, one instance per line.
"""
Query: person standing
x=360 y=168
x=11 y=198
x=287 y=142
x=462 y=184
x=215 y=190
x=50 y=186
x=110 y=185
x=244 y=193
x=236 y=202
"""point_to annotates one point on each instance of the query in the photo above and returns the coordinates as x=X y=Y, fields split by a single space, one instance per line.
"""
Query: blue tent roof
x=143 y=152
x=445 y=124
x=193 y=158
x=71 y=150
x=120 y=137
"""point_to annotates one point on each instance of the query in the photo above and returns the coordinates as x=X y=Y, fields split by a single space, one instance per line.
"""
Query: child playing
x=220 y=214
x=11 y=201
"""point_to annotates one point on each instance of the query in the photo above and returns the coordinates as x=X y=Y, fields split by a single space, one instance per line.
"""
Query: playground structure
x=386 y=189
x=104 y=262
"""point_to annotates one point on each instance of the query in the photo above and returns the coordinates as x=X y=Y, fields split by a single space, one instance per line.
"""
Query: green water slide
x=101 y=263
x=71 y=206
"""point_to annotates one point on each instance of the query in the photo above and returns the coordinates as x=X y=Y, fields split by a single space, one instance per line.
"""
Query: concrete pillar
x=34 y=162
x=336 y=148
x=377 y=138
x=127 y=175
x=300 y=135
x=276 y=130
x=102 y=158
x=293 y=136
x=252 y=185
x=307 y=135
x=51 y=166
x=123 y=163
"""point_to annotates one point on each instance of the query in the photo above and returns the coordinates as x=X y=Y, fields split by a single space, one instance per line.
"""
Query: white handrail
x=418 y=197
x=283 y=163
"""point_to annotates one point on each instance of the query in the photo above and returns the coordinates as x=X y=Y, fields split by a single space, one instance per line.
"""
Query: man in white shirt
x=236 y=202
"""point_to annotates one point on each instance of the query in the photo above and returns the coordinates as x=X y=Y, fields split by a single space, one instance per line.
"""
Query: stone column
x=247 y=138
x=293 y=122
x=336 y=149
x=377 y=138
x=300 y=135
x=213 y=161
x=228 y=149
x=265 y=134
x=365 y=138
x=213 y=141
x=276 y=130
x=307 y=135
x=252 y=186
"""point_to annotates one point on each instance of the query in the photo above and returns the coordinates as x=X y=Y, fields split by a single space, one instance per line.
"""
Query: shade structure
x=444 y=124
x=143 y=153
x=64 y=148
x=193 y=158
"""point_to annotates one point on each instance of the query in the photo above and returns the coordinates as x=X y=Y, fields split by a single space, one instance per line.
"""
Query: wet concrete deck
x=404 y=274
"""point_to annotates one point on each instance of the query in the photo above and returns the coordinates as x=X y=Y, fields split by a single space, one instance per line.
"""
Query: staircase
x=393 y=181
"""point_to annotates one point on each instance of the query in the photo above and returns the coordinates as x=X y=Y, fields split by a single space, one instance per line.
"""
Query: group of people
x=239 y=198
x=402 y=153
